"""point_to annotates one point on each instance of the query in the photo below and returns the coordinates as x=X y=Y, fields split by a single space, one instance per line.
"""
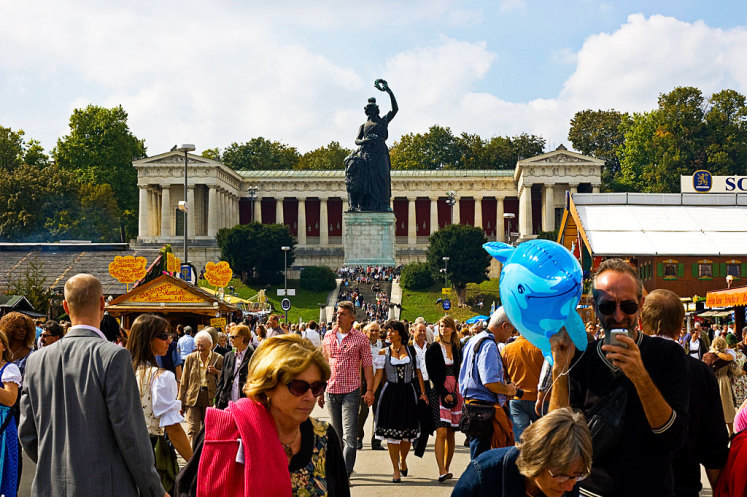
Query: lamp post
x=252 y=196
x=285 y=250
x=186 y=147
x=509 y=216
x=446 y=270
x=451 y=201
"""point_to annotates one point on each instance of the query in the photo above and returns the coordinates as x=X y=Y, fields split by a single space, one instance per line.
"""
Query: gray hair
x=497 y=318
x=204 y=334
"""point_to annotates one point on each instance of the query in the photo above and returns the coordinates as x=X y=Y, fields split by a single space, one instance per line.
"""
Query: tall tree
x=253 y=250
x=330 y=157
x=468 y=262
x=14 y=150
x=599 y=134
x=434 y=150
x=726 y=119
x=100 y=149
x=259 y=154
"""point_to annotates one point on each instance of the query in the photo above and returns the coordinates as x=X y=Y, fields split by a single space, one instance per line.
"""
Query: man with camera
x=484 y=388
x=632 y=388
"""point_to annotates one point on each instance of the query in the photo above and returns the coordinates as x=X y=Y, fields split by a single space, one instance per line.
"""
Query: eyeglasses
x=45 y=335
x=163 y=336
x=300 y=387
x=560 y=478
x=608 y=306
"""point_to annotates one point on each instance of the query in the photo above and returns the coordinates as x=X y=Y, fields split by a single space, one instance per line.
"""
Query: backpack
x=241 y=455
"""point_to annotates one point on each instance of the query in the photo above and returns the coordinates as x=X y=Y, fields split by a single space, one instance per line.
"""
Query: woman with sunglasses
x=149 y=337
x=553 y=456
x=289 y=453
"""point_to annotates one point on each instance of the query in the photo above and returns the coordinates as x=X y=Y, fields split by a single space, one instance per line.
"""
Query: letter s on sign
x=730 y=184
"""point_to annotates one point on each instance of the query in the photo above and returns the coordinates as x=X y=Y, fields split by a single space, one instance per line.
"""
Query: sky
x=299 y=72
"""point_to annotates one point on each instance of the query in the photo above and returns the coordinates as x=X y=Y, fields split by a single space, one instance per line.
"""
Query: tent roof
x=663 y=224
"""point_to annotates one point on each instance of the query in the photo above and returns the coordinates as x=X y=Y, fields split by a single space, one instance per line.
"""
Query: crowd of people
x=655 y=402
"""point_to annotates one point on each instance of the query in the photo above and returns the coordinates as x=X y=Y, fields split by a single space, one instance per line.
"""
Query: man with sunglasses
x=650 y=373
x=51 y=333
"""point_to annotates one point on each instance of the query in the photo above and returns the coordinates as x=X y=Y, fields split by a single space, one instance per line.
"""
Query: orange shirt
x=523 y=363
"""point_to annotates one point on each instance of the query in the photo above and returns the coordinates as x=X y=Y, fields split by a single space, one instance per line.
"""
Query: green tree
x=253 y=251
x=526 y=145
x=434 y=150
x=468 y=262
x=259 y=154
x=726 y=118
x=32 y=284
x=330 y=157
x=211 y=153
x=100 y=149
x=14 y=150
x=599 y=134
x=318 y=279
x=416 y=276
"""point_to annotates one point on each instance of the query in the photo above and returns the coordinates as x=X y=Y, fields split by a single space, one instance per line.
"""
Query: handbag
x=605 y=421
x=477 y=420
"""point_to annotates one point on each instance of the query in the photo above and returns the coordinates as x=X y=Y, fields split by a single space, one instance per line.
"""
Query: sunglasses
x=608 y=306
x=560 y=478
x=163 y=336
x=45 y=335
x=300 y=387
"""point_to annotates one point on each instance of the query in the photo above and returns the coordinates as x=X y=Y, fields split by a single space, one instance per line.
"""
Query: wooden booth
x=735 y=298
x=175 y=299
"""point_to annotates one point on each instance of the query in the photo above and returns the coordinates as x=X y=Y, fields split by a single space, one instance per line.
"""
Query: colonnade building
x=508 y=205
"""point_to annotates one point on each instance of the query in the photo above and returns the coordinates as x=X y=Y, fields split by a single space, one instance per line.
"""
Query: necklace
x=287 y=447
x=398 y=349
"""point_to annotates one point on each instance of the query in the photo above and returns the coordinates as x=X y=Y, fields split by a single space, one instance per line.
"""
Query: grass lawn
x=423 y=302
x=303 y=304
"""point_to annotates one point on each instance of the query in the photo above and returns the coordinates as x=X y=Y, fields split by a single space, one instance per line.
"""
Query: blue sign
x=702 y=181
x=446 y=304
x=285 y=304
x=186 y=273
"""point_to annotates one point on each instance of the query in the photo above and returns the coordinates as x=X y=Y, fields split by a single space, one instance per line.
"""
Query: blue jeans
x=522 y=415
x=477 y=446
x=343 y=411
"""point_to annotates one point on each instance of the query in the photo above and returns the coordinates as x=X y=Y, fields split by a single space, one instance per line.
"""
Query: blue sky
x=300 y=72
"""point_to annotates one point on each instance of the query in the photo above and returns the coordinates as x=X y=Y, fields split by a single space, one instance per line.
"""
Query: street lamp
x=252 y=195
x=186 y=147
x=446 y=269
x=285 y=250
x=451 y=201
x=509 y=216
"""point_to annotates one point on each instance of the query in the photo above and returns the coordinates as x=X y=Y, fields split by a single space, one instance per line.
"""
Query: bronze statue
x=367 y=175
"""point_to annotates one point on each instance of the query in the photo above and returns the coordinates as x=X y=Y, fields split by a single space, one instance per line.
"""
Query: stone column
x=478 y=213
x=257 y=210
x=525 y=210
x=143 y=210
x=412 y=222
x=595 y=188
x=500 y=227
x=573 y=187
x=212 y=210
x=548 y=217
x=457 y=214
x=166 y=210
x=154 y=213
x=279 y=211
x=323 y=222
x=434 y=214
x=192 y=214
x=301 y=221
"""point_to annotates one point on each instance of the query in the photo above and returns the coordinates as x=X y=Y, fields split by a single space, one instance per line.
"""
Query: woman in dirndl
x=396 y=415
x=443 y=360
x=10 y=376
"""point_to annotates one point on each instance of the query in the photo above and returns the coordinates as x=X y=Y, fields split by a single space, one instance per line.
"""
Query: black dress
x=396 y=415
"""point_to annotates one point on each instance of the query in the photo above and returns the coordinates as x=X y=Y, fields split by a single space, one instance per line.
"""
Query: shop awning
x=727 y=298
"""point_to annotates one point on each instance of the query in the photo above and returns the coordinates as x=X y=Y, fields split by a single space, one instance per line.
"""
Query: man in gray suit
x=81 y=418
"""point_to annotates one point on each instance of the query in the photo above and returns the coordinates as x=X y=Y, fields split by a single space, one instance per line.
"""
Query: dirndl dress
x=9 y=437
x=396 y=415
x=447 y=417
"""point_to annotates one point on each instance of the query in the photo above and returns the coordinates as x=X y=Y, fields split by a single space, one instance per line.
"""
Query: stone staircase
x=370 y=296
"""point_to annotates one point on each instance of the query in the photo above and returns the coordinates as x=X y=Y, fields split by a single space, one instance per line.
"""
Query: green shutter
x=659 y=269
x=715 y=269
x=680 y=270
x=743 y=272
x=723 y=269
x=695 y=270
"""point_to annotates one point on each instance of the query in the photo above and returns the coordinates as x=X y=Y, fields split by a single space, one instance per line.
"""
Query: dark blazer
x=434 y=363
x=82 y=421
x=225 y=381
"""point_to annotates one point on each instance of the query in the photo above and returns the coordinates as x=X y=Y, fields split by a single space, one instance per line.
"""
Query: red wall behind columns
x=290 y=215
x=467 y=211
x=268 y=210
x=399 y=206
x=489 y=206
x=312 y=217
x=334 y=212
x=423 y=216
x=511 y=204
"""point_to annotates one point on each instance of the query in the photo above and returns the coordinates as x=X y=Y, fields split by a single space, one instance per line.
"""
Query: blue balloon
x=540 y=285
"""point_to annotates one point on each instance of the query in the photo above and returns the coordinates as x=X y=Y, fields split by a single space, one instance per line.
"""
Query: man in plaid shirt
x=347 y=350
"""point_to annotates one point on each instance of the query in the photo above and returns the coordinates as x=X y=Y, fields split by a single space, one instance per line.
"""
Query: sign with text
x=702 y=182
x=167 y=292
x=218 y=275
x=446 y=291
x=128 y=269
x=218 y=323
x=727 y=298
x=446 y=304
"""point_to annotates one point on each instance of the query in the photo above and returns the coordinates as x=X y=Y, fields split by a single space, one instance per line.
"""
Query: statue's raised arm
x=382 y=85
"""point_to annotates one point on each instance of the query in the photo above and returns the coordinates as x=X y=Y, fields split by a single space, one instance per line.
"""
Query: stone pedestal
x=368 y=238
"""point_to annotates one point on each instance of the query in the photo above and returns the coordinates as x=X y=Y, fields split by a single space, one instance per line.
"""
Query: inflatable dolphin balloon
x=540 y=285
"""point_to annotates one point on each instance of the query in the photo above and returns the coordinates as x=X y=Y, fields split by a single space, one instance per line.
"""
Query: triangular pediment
x=565 y=157
x=175 y=157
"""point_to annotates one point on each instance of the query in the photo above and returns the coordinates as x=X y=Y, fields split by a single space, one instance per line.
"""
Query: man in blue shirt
x=186 y=344
x=481 y=378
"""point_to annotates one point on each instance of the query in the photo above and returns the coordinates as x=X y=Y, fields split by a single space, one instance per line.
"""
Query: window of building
x=670 y=270
x=733 y=270
x=705 y=270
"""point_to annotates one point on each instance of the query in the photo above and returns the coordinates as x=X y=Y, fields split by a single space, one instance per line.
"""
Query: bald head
x=662 y=314
x=84 y=299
